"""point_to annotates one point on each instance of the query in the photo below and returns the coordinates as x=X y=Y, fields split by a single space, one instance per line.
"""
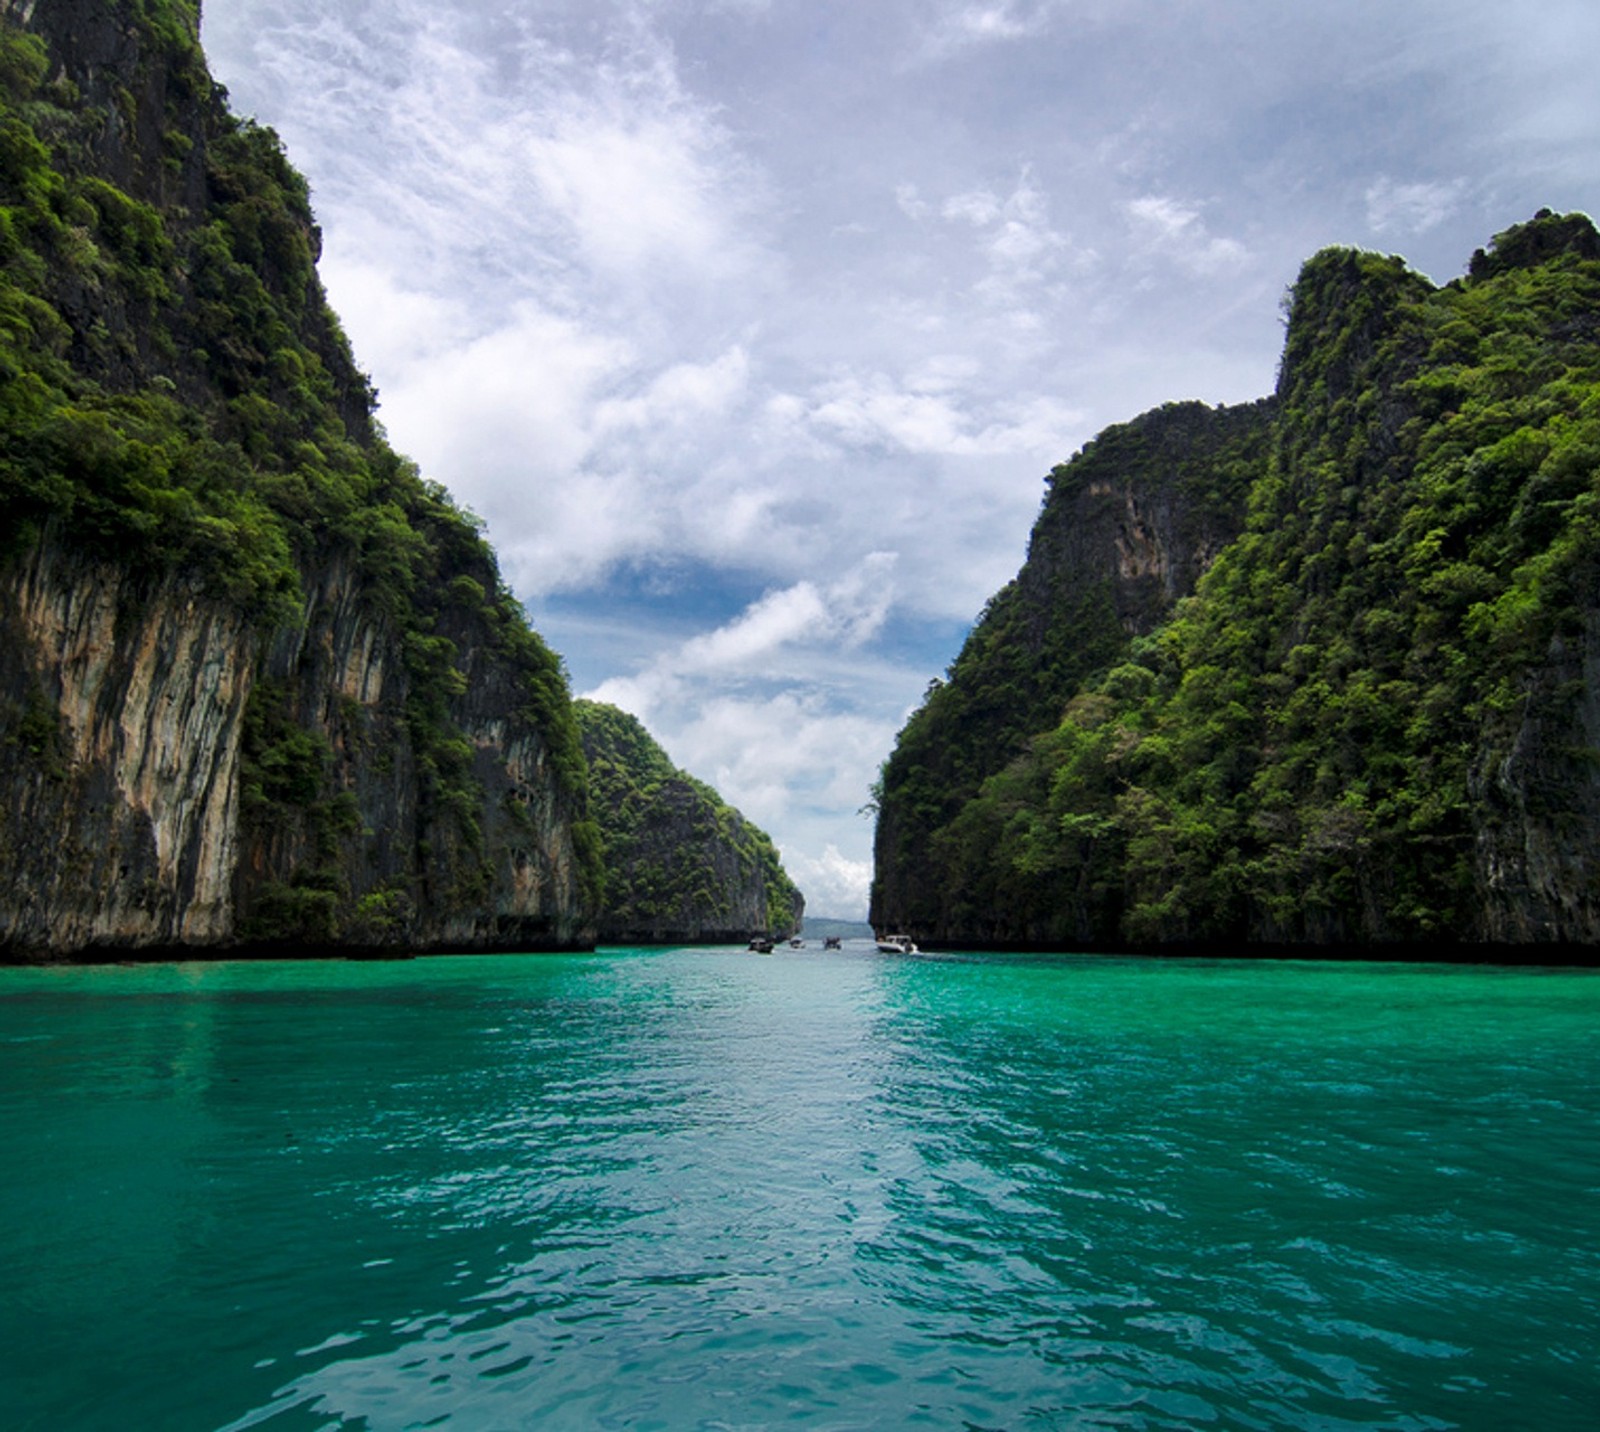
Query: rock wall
x=119 y=774
x=261 y=687
x=125 y=725
x=1537 y=798
x=145 y=93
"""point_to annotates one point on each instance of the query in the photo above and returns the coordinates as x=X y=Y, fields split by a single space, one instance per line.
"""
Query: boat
x=898 y=945
x=797 y=943
x=761 y=945
x=831 y=942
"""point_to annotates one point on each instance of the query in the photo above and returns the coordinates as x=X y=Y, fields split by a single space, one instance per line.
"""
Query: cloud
x=1411 y=208
x=933 y=413
x=682 y=397
x=758 y=644
x=835 y=886
x=966 y=26
x=1175 y=230
x=640 y=188
x=1018 y=243
x=910 y=203
x=773 y=758
x=526 y=169
x=778 y=619
x=977 y=208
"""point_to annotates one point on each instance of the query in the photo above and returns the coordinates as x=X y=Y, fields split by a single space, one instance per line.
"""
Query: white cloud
x=870 y=412
x=968 y=25
x=993 y=22
x=760 y=643
x=1174 y=229
x=1018 y=243
x=978 y=207
x=931 y=413
x=639 y=190
x=835 y=886
x=686 y=395
x=773 y=757
x=944 y=373
x=911 y=204
x=778 y=619
x=1411 y=208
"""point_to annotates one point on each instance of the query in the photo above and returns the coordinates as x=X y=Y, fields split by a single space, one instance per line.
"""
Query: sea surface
x=707 y=1189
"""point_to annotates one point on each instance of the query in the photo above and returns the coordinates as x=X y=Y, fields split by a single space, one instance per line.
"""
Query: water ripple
x=697 y=1190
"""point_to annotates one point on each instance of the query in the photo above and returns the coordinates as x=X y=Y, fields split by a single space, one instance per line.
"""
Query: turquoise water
x=708 y=1189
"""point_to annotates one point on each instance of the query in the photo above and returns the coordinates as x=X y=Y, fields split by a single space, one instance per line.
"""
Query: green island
x=682 y=866
x=1310 y=674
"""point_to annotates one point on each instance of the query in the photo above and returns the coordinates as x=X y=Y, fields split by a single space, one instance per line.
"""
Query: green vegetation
x=1185 y=469
x=1373 y=684
x=176 y=397
x=678 y=859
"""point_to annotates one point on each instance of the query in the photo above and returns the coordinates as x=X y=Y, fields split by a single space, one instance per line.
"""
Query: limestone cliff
x=1374 y=727
x=681 y=864
x=261 y=687
x=1127 y=528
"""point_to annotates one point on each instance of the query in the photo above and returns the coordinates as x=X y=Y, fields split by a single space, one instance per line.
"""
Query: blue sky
x=752 y=327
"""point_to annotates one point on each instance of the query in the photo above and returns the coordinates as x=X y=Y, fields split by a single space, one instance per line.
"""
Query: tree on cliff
x=681 y=864
x=184 y=430
x=1376 y=720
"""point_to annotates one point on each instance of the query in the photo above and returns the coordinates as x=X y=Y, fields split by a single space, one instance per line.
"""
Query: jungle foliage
x=1312 y=747
x=175 y=395
x=677 y=856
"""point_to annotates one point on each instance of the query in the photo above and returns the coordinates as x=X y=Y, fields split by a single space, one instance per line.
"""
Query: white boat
x=897 y=945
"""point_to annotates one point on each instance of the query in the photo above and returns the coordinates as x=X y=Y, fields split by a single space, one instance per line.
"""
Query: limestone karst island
x=1321 y=672
x=400 y=1028
x=1315 y=674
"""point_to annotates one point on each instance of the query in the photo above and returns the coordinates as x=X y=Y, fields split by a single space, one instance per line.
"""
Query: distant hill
x=1319 y=673
x=681 y=864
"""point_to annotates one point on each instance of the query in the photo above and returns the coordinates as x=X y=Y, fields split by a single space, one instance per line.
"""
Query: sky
x=752 y=328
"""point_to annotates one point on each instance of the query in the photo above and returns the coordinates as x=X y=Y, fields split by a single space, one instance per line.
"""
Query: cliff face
x=1375 y=726
x=1127 y=528
x=261 y=687
x=1535 y=785
x=174 y=775
x=140 y=100
x=682 y=866
x=120 y=770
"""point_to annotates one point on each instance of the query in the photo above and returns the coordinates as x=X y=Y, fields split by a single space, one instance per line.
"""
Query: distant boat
x=898 y=945
x=830 y=942
x=761 y=945
x=797 y=943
